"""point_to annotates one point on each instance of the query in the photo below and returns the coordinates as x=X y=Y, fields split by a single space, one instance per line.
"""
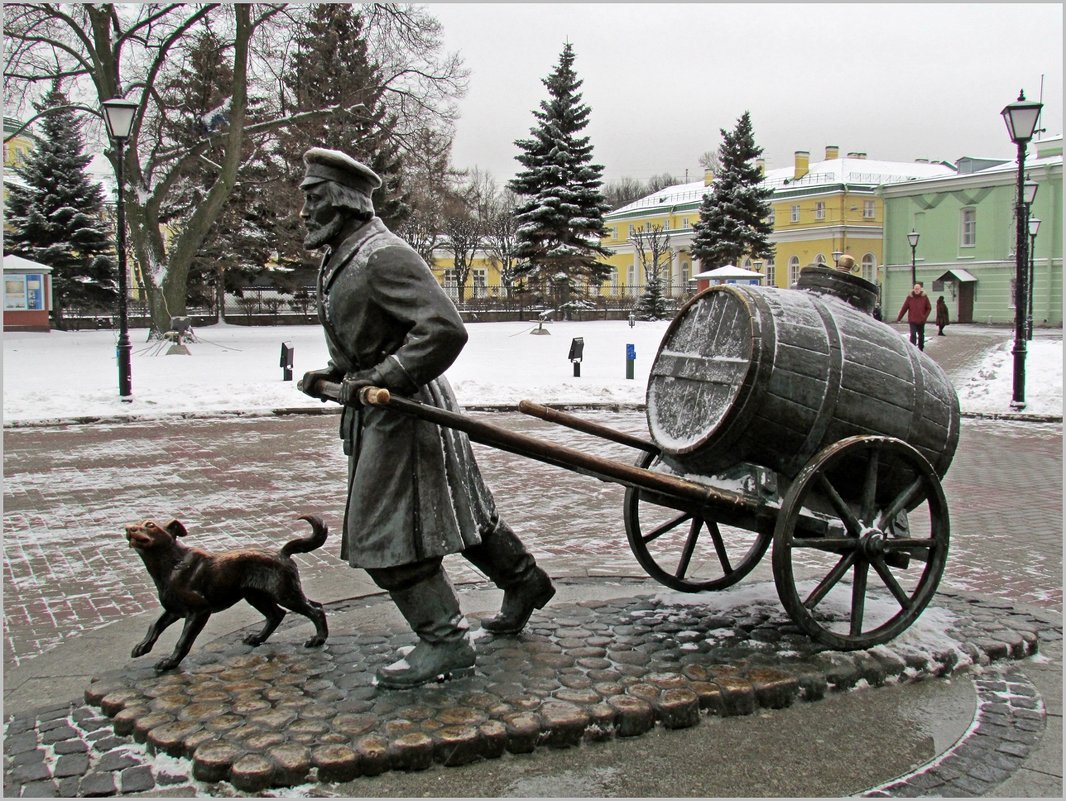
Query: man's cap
x=332 y=165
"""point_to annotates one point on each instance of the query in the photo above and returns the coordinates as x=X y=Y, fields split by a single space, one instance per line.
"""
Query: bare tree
x=623 y=191
x=709 y=161
x=463 y=232
x=91 y=47
x=501 y=237
x=652 y=247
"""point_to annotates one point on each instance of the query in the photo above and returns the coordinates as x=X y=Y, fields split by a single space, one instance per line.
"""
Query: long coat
x=414 y=489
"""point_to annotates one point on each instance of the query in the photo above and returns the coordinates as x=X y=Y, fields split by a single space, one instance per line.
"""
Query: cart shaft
x=687 y=493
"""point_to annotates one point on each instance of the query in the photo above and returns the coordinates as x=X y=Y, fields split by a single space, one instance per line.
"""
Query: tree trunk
x=220 y=294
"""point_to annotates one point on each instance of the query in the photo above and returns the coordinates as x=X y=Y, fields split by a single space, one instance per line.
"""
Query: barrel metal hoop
x=827 y=412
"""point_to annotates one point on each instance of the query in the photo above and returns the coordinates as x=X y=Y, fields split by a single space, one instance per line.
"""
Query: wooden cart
x=849 y=493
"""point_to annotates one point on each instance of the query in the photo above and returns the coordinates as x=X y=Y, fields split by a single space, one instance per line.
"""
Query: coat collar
x=335 y=260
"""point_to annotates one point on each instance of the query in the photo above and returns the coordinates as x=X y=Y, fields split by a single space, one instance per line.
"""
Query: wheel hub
x=872 y=542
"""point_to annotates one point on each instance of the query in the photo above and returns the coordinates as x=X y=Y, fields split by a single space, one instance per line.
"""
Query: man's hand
x=353 y=383
x=309 y=383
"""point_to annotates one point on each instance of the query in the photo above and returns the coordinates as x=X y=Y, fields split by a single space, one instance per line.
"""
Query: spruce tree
x=734 y=215
x=333 y=67
x=56 y=218
x=561 y=203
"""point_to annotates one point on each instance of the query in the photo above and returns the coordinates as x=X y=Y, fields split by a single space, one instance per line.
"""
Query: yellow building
x=819 y=210
x=15 y=150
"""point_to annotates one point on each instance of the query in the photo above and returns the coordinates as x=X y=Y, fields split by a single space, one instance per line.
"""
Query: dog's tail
x=305 y=544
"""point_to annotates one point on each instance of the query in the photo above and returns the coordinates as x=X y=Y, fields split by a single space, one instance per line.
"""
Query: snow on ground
x=63 y=375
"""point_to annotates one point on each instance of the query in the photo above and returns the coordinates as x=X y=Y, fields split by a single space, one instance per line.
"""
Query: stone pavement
x=609 y=657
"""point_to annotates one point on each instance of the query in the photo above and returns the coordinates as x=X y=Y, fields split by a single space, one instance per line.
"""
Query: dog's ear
x=176 y=528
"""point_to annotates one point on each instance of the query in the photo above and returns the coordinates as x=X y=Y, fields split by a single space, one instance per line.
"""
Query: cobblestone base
x=280 y=716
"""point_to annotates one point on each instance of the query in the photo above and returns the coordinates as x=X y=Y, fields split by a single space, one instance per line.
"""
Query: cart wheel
x=687 y=551
x=871 y=571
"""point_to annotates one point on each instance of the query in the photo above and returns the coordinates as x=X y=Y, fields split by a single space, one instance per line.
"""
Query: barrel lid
x=701 y=369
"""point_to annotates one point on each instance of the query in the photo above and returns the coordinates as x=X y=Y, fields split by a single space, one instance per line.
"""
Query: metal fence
x=270 y=306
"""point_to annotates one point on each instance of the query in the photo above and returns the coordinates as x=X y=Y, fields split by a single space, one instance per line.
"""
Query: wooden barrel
x=771 y=376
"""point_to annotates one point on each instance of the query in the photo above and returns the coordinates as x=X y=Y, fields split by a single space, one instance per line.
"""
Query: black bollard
x=286 y=361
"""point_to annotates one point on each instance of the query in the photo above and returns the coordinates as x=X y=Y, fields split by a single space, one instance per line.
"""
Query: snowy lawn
x=63 y=375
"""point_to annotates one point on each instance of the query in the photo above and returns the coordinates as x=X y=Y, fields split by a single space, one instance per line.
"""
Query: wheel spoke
x=669 y=525
x=846 y=515
x=831 y=579
x=901 y=502
x=897 y=591
x=719 y=546
x=858 y=596
x=690 y=547
x=869 y=490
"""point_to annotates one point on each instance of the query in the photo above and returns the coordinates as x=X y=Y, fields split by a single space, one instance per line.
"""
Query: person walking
x=917 y=308
x=941 y=315
x=415 y=492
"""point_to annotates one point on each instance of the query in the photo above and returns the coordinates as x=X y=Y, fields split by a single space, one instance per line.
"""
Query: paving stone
x=212 y=761
x=138 y=779
x=40 y=789
x=115 y=760
x=335 y=763
x=71 y=765
x=96 y=785
x=252 y=772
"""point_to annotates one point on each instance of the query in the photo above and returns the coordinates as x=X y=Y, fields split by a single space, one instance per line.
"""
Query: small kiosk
x=27 y=295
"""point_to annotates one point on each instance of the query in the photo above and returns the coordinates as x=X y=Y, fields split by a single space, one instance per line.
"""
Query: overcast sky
x=896 y=81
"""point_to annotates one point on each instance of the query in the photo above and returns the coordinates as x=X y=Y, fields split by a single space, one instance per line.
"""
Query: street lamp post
x=118 y=114
x=1034 y=226
x=1021 y=117
x=913 y=237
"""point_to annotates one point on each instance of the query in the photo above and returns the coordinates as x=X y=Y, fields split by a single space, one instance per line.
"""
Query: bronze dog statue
x=193 y=584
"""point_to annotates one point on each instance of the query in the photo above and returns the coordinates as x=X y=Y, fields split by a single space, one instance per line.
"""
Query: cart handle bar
x=586 y=426
x=671 y=487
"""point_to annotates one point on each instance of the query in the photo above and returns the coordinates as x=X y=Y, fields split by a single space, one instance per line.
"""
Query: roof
x=821 y=173
x=12 y=262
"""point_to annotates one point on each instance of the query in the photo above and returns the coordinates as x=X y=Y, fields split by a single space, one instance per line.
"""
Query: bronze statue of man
x=414 y=490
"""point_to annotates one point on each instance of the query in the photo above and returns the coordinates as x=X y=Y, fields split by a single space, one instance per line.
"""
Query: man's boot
x=443 y=648
x=503 y=558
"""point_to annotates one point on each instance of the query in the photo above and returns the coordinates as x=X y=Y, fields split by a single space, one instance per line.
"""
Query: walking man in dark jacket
x=415 y=492
x=917 y=308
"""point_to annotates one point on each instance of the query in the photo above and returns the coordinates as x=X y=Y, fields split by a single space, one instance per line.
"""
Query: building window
x=869 y=267
x=450 y=284
x=795 y=214
x=747 y=264
x=771 y=219
x=867 y=209
x=793 y=270
x=819 y=210
x=968 y=228
x=770 y=275
x=481 y=283
x=632 y=230
x=684 y=222
x=819 y=260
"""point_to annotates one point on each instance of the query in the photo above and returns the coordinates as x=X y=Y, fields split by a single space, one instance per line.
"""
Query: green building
x=966 y=238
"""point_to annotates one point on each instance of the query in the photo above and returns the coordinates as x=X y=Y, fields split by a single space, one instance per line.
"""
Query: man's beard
x=324 y=234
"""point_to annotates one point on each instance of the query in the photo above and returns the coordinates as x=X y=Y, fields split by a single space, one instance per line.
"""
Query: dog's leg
x=293 y=598
x=194 y=624
x=273 y=613
x=157 y=628
x=314 y=611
